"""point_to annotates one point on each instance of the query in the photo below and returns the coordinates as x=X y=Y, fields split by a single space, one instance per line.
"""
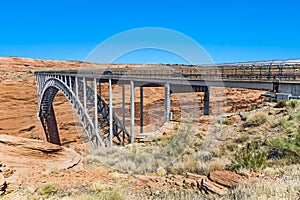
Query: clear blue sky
x=229 y=30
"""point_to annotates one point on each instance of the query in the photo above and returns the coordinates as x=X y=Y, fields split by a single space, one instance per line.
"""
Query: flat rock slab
x=225 y=178
x=19 y=154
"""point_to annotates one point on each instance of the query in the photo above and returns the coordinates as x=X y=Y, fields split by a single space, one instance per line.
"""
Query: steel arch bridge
x=83 y=89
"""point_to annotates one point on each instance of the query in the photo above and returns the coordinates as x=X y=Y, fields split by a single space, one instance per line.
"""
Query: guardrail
x=270 y=72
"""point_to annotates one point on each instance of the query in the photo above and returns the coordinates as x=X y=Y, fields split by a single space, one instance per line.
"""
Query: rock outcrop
x=21 y=154
x=225 y=178
x=3 y=184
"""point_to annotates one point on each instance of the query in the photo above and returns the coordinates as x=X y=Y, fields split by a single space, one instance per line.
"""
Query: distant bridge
x=83 y=89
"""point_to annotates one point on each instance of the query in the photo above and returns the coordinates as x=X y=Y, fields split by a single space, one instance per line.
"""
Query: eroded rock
x=3 y=184
x=225 y=178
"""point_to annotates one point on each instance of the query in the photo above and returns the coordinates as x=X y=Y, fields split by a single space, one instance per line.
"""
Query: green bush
x=250 y=157
x=287 y=146
x=281 y=104
x=294 y=103
x=48 y=189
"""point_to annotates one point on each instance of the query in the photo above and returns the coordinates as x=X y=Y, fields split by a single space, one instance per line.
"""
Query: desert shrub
x=250 y=157
x=287 y=143
x=286 y=146
x=256 y=119
x=48 y=189
x=294 y=103
x=178 y=143
x=281 y=104
x=105 y=192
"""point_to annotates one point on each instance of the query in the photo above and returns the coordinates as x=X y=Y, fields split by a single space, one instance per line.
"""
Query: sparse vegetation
x=147 y=159
x=256 y=119
x=286 y=145
x=48 y=189
x=251 y=157
x=254 y=189
x=280 y=104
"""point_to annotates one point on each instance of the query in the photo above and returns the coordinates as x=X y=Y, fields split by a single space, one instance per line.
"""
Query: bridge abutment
x=53 y=136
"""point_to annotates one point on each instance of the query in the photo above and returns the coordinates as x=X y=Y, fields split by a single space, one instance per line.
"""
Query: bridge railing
x=264 y=72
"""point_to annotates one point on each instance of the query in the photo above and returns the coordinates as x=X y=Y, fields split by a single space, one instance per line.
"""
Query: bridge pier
x=167 y=102
x=132 y=112
x=141 y=109
x=110 y=114
x=206 y=101
x=123 y=110
x=123 y=104
x=52 y=126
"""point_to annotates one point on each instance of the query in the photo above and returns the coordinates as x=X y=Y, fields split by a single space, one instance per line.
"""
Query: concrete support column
x=132 y=111
x=206 y=101
x=167 y=102
x=141 y=109
x=110 y=114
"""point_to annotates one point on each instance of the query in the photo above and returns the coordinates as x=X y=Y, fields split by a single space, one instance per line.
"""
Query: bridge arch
x=47 y=115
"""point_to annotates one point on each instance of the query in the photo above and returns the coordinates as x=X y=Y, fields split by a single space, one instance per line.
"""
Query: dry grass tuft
x=254 y=189
x=256 y=119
